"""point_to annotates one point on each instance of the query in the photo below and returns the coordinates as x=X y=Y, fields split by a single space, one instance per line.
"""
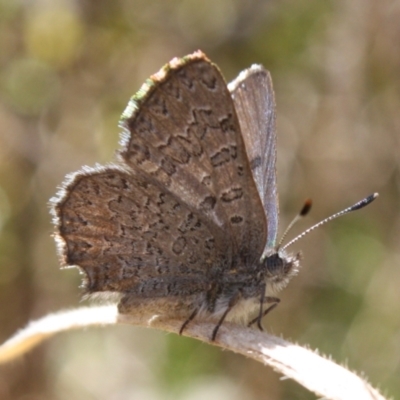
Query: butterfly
x=184 y=223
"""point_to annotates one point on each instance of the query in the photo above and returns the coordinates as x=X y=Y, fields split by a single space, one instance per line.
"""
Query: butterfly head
x=279 y=267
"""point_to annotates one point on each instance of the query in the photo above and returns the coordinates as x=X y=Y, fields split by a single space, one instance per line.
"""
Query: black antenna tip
x=364 y=202
x=306 y=208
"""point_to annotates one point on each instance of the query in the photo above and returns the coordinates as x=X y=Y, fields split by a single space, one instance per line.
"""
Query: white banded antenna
x=306 y=208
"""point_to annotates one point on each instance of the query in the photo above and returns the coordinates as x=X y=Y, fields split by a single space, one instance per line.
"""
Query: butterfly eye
x=274 y=264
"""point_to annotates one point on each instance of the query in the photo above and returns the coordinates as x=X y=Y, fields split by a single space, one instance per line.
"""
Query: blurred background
x=67 y=70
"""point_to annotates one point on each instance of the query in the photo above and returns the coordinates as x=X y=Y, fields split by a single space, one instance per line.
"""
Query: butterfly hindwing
x=125 y=232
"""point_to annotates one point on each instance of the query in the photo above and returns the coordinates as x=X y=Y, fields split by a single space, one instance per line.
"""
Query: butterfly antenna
x=361 y=204
x=303 y=212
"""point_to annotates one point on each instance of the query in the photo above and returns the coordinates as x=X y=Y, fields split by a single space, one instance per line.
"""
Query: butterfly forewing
x=182 y=132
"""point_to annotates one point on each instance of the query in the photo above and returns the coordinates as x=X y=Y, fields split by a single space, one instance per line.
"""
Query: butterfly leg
x=232 y=302
x=191 y=317
x=211 y=298
x=264 y=299
x=260 y=314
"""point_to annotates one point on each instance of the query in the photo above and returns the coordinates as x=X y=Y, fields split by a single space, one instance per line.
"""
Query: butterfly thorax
x=278 y=268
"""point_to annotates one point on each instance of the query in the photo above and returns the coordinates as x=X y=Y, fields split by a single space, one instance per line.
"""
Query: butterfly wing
x=182 y=131
x=182 y=207
x=129 y=235
x=254 y=100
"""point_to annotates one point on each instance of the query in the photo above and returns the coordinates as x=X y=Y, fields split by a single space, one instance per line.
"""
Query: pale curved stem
x=311 y=370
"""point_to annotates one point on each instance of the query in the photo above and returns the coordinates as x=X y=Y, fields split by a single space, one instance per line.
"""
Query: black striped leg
x=264 y=299
x=232 y=302
x=191 y=317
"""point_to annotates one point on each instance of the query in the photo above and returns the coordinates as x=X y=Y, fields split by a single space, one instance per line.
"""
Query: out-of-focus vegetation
x=67 y=70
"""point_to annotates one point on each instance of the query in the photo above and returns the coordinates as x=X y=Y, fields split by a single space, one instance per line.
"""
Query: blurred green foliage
x=67 y=70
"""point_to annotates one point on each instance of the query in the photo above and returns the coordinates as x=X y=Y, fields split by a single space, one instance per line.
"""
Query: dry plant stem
x=316 y=373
